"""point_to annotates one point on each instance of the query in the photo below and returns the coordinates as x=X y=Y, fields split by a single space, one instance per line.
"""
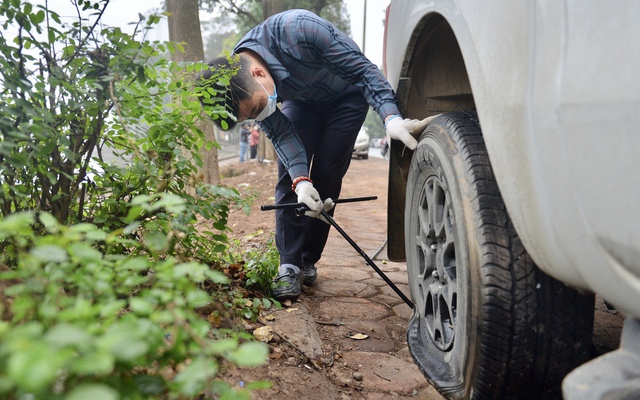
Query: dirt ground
x=344 y=338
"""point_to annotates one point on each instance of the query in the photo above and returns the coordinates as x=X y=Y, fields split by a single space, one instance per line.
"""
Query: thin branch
x=95 y=23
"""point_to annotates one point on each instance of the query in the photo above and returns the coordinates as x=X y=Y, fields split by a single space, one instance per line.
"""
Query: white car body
x=556 y=87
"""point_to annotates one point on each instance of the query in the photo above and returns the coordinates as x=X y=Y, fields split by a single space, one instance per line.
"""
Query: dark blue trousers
x=328 y=131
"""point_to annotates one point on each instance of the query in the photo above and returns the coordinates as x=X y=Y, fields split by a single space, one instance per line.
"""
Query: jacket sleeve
x=286 y=142
x=341 y=55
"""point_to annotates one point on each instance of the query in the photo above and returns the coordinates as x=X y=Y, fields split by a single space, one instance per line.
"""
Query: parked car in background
x=522 y=198
x=361 y=147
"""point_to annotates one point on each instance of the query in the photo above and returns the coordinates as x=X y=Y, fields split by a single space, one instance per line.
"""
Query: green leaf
x=122 y=341
x=82 y=228
x=84 y=254
x=49 y=221
x=93 y=391
x=171 y=202
x=141 y=199
x=136 y=264
x=17 y=224
x=49 y=253
x=94 y=363
x=141 y=306
x=193 y=378
x=250 y=354
x=67 y=335
x=134 y=213
x=34 y=368
x=111 y=308
x=156 y=241
x=259 y=385
x=150 y=384
x=223 y=346
x=37 y=17
x=198 y=298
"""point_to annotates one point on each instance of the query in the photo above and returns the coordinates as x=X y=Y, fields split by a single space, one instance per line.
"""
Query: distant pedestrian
x=254 y=139
x=244 y=141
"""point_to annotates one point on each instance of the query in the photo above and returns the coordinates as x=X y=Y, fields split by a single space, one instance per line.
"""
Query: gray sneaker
x=287 y=285
x=310 y=273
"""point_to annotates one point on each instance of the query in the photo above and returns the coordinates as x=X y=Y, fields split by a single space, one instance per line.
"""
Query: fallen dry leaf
x=254 y=234
x=292 y=309
x=270 y=317
x=358 y=336
x=215 y=320
x=264 y=333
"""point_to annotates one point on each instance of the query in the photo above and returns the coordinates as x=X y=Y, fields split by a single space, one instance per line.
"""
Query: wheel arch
x=433 y=80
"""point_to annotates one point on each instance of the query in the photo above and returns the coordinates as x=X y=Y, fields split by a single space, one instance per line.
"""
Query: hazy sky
x=122 y=12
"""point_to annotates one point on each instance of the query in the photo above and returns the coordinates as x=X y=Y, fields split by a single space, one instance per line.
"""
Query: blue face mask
x=271 y=106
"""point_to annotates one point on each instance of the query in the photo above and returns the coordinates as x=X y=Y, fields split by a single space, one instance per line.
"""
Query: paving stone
x=379 y=338
x=396 y=328
x=345 y=288
x=390 y=266
x=424 y=394
x=352 y=308
x=381 y=372
x=403 y=311
x=404 y=288
x=371 y=345
x=404 y=354
x=299 y=328
x=343 y=273
x=387 y=299
x=375 y=281
x=398 y=276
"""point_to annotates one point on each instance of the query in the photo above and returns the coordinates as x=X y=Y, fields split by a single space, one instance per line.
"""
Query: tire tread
x=534 y=329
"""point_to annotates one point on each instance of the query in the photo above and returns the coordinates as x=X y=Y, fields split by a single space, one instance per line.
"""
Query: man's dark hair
x=241 y=86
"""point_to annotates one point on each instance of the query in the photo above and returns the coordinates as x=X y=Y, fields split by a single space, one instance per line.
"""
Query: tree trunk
x=270 y=7
x=184 y=27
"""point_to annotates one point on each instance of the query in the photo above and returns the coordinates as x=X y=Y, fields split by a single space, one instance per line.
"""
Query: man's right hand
x=308 y=195
x=405 y=129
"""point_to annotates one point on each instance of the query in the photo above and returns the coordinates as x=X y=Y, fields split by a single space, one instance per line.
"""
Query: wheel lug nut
x=434 y=247
x=435 y=274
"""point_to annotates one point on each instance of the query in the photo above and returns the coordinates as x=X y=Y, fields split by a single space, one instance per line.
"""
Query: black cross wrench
x=300 y=208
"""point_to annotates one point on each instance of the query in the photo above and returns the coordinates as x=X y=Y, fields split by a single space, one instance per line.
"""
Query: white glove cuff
x=301 y=184
x=394 y=116
x=299 y=179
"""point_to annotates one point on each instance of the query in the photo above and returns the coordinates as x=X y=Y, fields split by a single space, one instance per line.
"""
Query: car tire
x=365 y=156
x=487 y=322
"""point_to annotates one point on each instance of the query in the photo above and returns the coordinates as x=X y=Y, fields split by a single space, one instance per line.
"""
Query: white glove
x=308 y=195
x=399 y=129
x=326 y=206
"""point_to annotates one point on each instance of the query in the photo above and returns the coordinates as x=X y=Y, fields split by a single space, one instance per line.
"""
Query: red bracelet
x=298 y=180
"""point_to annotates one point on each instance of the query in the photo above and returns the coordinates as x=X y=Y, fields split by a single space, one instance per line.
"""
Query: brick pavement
x=350 y=298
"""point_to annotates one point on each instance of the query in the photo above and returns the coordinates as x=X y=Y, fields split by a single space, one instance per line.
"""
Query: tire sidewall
x=438 y=155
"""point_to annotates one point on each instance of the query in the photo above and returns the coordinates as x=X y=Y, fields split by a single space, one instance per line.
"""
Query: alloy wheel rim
x=437 y=277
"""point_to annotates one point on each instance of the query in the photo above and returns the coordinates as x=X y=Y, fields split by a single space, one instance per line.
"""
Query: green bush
x=106 y=264
x=86 y=320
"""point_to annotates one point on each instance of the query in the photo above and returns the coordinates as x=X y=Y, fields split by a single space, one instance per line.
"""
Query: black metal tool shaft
x=367 y=259
x=299 y=205
x=301 y=208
